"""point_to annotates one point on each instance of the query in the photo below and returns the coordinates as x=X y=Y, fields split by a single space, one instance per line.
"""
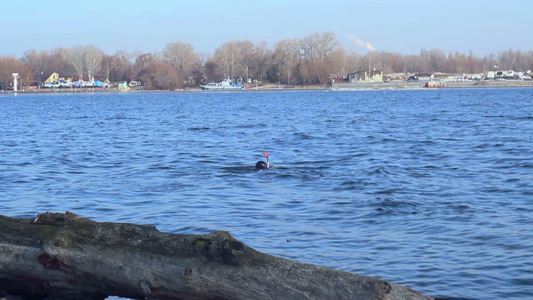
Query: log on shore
x=66 y=256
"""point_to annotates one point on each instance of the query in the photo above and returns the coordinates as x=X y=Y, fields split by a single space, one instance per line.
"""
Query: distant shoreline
x=419 y=85
x=357 y=86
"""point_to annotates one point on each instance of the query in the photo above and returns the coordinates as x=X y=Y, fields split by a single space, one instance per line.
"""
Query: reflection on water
x=431 y=189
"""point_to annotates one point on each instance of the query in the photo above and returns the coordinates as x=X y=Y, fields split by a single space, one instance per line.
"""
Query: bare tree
x=473 y=64
x=315 y=50
x=353 y=61
x=245 y=54
x=199 y=71
x=162 y=76
x=201 y=59
x=121 y=66
x=396 y=63
x=44 y=63
x=307 y=54
x=212 y=72
x=31 y=59
x=39 y=62
x=455 y=63
x=93 y=57
x=107 y=65
x=261 y=61
x=286 y=54
x=226 y=58
x=235 y=58
x=77 y=59
x=529 y=61
x=337 y=59
x=59 y=61
x=180 y=56
x=326 y=43
x=437 y=58
x=10 y=65
x=142 y=63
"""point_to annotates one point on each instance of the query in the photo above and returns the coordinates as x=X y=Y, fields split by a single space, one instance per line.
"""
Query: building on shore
x=365 y=76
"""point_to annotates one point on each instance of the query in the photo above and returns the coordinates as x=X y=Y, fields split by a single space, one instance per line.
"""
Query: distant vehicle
x=526 y=77
x=413 y=78
x=508 y=74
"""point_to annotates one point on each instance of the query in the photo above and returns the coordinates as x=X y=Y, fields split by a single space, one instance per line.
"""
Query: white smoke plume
x=360 y=42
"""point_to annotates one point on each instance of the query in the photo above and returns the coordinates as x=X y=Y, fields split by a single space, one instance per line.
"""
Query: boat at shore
x=435 y=83
x=225 y=84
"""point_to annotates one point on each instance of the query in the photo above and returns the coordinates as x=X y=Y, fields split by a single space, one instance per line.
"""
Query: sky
x=400 y=26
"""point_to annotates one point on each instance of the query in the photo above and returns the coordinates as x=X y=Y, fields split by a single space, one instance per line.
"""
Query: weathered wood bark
x=70 y=257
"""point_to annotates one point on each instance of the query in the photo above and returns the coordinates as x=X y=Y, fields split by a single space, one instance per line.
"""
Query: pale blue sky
x=481 y=26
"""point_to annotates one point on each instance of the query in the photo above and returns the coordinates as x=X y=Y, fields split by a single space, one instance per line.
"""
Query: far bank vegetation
x=312 y=60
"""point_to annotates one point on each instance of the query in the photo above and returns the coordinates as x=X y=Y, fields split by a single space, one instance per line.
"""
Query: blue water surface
x=432 y=189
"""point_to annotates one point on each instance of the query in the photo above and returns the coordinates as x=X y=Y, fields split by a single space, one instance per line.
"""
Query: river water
x=432 y=189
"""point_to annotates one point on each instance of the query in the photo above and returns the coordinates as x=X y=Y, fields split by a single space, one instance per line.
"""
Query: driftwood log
x=65 y=256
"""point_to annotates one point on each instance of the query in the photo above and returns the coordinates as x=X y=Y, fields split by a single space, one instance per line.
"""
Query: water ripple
x=431 y=189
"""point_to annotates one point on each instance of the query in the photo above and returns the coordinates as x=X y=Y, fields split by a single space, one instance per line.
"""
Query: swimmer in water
x=261 y=165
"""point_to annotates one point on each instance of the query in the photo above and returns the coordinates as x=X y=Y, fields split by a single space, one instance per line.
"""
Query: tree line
x=314 y=59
